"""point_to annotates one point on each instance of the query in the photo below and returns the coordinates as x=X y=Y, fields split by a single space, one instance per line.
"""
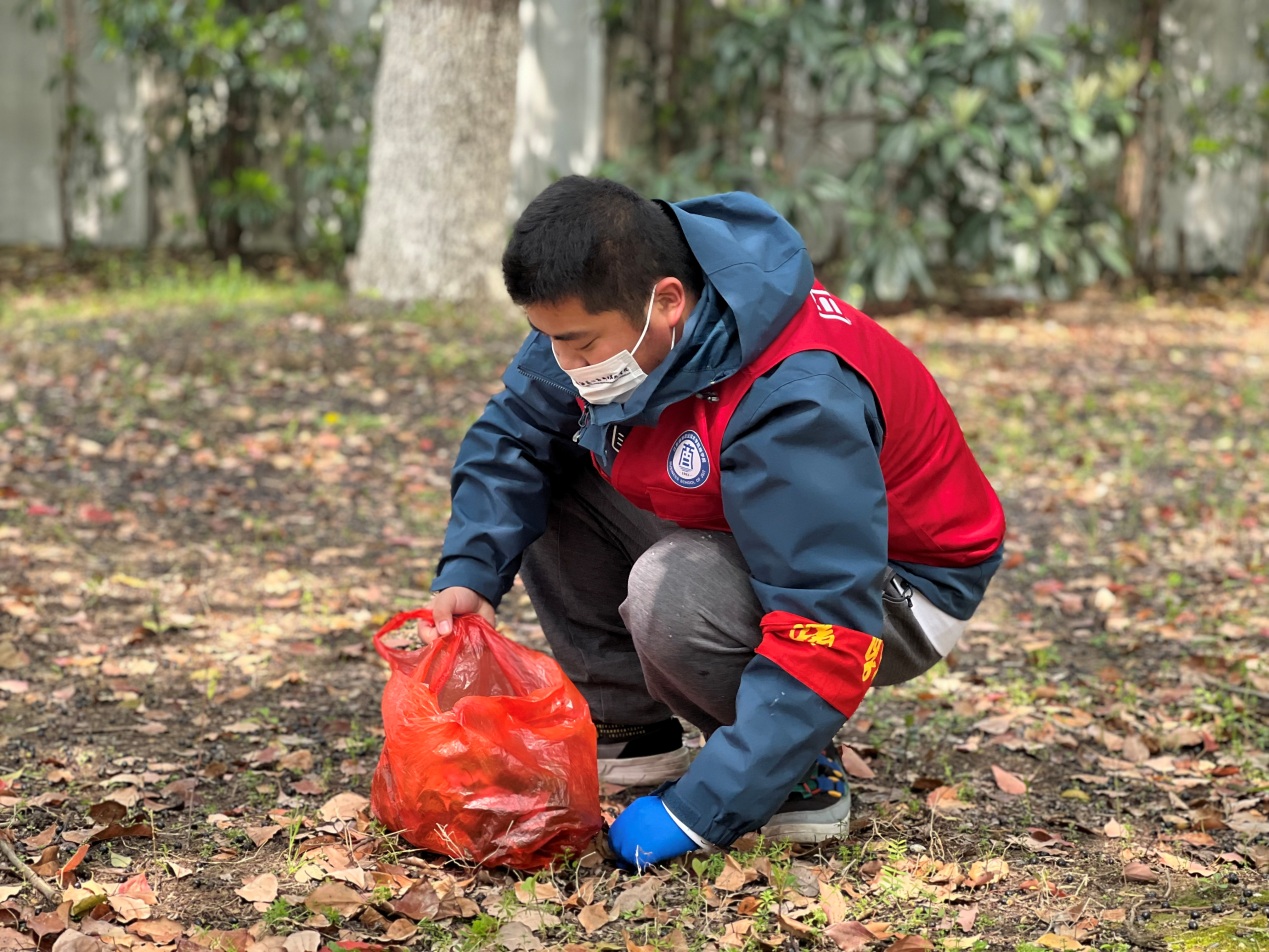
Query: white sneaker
x=818 y=809
x=642 y=755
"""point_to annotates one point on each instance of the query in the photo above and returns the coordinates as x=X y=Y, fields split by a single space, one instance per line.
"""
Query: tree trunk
x=68 y=139
x=440 y=167
x=1137 y=192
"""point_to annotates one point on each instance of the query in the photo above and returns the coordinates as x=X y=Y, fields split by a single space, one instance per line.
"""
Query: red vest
x=942 y=509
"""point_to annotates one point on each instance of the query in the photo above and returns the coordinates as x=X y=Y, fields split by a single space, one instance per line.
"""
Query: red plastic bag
x=489 y=750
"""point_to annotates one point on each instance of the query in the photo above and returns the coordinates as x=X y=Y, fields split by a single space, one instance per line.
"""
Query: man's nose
x=568 y=360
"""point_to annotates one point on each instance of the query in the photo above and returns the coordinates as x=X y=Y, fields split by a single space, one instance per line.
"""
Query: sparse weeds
x=283 y=915
x=480 y=933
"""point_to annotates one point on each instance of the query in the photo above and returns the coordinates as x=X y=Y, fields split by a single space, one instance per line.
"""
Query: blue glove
x=645 y=834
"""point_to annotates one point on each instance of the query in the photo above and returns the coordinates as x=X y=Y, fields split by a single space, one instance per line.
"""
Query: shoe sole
x=645 y=771
x=808 y=829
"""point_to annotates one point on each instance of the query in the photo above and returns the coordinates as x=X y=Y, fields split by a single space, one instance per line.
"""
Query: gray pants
x=650 y=620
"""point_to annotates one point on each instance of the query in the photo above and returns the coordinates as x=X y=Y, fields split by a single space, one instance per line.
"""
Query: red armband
x=837 y=663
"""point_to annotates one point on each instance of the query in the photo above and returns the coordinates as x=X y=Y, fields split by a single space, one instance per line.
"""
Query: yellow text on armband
x=818 y=635
x=872 y=659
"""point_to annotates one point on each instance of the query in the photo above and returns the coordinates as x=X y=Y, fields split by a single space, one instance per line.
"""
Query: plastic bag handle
x=397 y=656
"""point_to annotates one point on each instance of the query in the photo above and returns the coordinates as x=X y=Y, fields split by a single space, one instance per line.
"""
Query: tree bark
x=68 y=140
x=440 y=167
x=1138 y=192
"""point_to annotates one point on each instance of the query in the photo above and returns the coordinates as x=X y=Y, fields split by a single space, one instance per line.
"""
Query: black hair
x=598 y=241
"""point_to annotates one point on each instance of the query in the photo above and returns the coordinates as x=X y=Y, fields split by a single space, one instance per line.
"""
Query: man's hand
x=449 y=602
x=645 y=834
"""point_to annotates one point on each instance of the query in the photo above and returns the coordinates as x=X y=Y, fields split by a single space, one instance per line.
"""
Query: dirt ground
x=207 y=510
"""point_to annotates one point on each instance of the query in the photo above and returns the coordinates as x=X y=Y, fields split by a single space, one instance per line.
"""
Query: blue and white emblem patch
x=688 y=465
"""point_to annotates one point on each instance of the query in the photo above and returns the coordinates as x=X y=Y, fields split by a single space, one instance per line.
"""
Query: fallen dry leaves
x=194 y=546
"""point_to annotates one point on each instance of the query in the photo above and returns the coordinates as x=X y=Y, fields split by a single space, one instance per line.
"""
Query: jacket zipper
x=582 y=420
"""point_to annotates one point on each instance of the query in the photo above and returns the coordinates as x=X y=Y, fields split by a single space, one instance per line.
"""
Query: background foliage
x=928 y=149
x=267 y=100
x=992 y=148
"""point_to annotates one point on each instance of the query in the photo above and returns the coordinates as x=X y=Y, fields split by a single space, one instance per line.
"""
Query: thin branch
x=27 y=873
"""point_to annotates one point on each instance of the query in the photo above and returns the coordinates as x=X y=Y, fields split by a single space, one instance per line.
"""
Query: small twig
x=27 y=873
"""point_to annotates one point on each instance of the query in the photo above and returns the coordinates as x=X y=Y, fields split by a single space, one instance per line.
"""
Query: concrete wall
x=110 y=212
x=1216 y=211
x=559 y=95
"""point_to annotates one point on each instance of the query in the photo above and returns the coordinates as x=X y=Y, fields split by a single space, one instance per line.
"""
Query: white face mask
x=614 y=379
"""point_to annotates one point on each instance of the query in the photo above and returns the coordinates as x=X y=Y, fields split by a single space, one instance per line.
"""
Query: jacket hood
x=757 y=275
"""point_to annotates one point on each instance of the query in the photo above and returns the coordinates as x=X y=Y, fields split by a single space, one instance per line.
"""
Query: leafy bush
x=269 y=102
x=922 y=148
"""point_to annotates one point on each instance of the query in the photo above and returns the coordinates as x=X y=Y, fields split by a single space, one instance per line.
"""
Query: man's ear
x=675 y=300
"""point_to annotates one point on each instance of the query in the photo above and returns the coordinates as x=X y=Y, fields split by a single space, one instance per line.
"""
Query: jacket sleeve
x=500 y=484
x=804 y=495
x=747 y=769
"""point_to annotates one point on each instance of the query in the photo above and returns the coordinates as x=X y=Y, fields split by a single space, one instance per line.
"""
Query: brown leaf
x=1113 y=829
x=158 y=931
x=966 y=917
x=736 y=934
x=128 y=908
x=298 y=761
x=1135 y=750
x=997 y=724
x=910 y=943
x=72 y=941
x=833 y=903
x=1063 y=943
x=850 y=936
x=632 y=946
x=263 y=888
x=41 y=840
x=335 y=896
x=1010 y=783
x=946 y=800
x=636 y=898
x=48 y=923
x=306 y=940
x=117 y=831
x=1140 y=873
x=65 y=874
x=799 y=930
x=1172 y=861
x=107 y=812
x=344 y=806
x=733 y=877
x=262 y=834
x=855 y=765
x=419 y=902
x=593 y=917
x=227 y=939
x=138 y=887
x=12 y=657
x=984 y=873
x=11 y=940
x=399 y=930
